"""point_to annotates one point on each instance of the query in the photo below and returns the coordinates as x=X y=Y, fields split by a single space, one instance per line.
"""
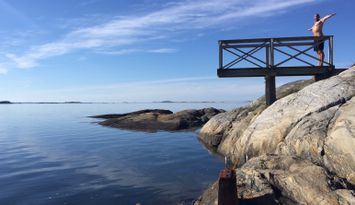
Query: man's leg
x=321 y=57
x=320 y=54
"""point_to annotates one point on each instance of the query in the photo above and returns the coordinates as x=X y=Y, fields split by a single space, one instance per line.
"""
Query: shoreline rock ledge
x=157 y=119
x=299 y=150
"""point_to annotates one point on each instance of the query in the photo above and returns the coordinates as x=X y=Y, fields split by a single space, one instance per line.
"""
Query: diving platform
x=271 y=57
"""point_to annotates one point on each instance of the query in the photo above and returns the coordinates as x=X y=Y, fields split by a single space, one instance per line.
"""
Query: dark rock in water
x=154 y=120
x=110 y=116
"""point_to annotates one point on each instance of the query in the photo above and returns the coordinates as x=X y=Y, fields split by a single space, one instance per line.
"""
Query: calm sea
x=55 y=154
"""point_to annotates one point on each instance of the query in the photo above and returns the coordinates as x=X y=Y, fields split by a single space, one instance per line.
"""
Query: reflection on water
x=54 y=154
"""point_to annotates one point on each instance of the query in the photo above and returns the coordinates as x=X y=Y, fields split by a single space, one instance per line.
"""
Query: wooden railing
x=267 y=63
x=271 y=57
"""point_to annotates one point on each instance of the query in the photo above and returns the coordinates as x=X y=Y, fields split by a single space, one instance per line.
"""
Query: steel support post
x=270 y=89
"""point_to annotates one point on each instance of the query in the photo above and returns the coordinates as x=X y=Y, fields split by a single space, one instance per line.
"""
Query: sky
x=147 y=50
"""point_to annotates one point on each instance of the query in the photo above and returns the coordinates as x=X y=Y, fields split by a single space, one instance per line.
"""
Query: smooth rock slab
x=270 y=128
x=340 y=144
x=306 y=140
x=224 y=129
x=298 y=180
x=346 y=197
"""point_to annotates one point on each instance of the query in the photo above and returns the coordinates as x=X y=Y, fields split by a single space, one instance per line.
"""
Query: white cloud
x=135 y=50
x=175 y=17
x=162 y=50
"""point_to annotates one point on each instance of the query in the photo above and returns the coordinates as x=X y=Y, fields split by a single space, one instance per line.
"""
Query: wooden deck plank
x=279 y=71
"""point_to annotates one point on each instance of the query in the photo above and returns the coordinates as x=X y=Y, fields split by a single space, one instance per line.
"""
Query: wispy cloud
x=163 y=50
x=135 y=50
x=170 y=19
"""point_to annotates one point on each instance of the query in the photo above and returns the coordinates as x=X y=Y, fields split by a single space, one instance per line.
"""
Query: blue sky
x=147 y=50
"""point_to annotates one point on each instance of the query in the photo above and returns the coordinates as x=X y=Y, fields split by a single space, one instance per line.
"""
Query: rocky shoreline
x=299 y=150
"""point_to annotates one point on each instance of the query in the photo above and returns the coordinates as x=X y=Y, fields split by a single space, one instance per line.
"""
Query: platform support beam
x=270 y=89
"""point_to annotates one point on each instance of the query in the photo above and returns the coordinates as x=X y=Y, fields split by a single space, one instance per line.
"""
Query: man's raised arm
x=327 y=17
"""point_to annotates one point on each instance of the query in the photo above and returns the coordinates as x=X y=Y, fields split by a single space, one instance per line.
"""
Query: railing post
x=272 y=63
x=267 y=53
x=328 y=39
x=220 y=55
x=331 y=50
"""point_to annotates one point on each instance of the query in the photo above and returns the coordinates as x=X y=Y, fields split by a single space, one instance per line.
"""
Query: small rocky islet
x=152 y=120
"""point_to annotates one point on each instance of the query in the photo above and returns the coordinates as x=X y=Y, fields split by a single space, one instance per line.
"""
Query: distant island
x=124 y=102
x=66 y=102
x=170 y=101
x=72 y=102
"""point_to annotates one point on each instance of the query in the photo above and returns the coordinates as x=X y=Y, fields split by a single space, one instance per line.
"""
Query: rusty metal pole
x=227 y=191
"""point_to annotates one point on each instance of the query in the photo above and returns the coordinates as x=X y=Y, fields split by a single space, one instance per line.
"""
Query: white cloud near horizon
x=123 y=31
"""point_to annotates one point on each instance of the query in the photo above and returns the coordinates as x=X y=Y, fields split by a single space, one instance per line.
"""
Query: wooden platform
x=267 y=67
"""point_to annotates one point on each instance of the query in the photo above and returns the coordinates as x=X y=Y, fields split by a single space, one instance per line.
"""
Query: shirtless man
x=317 y=30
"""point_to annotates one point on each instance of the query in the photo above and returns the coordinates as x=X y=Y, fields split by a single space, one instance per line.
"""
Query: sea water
x=56 y=154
